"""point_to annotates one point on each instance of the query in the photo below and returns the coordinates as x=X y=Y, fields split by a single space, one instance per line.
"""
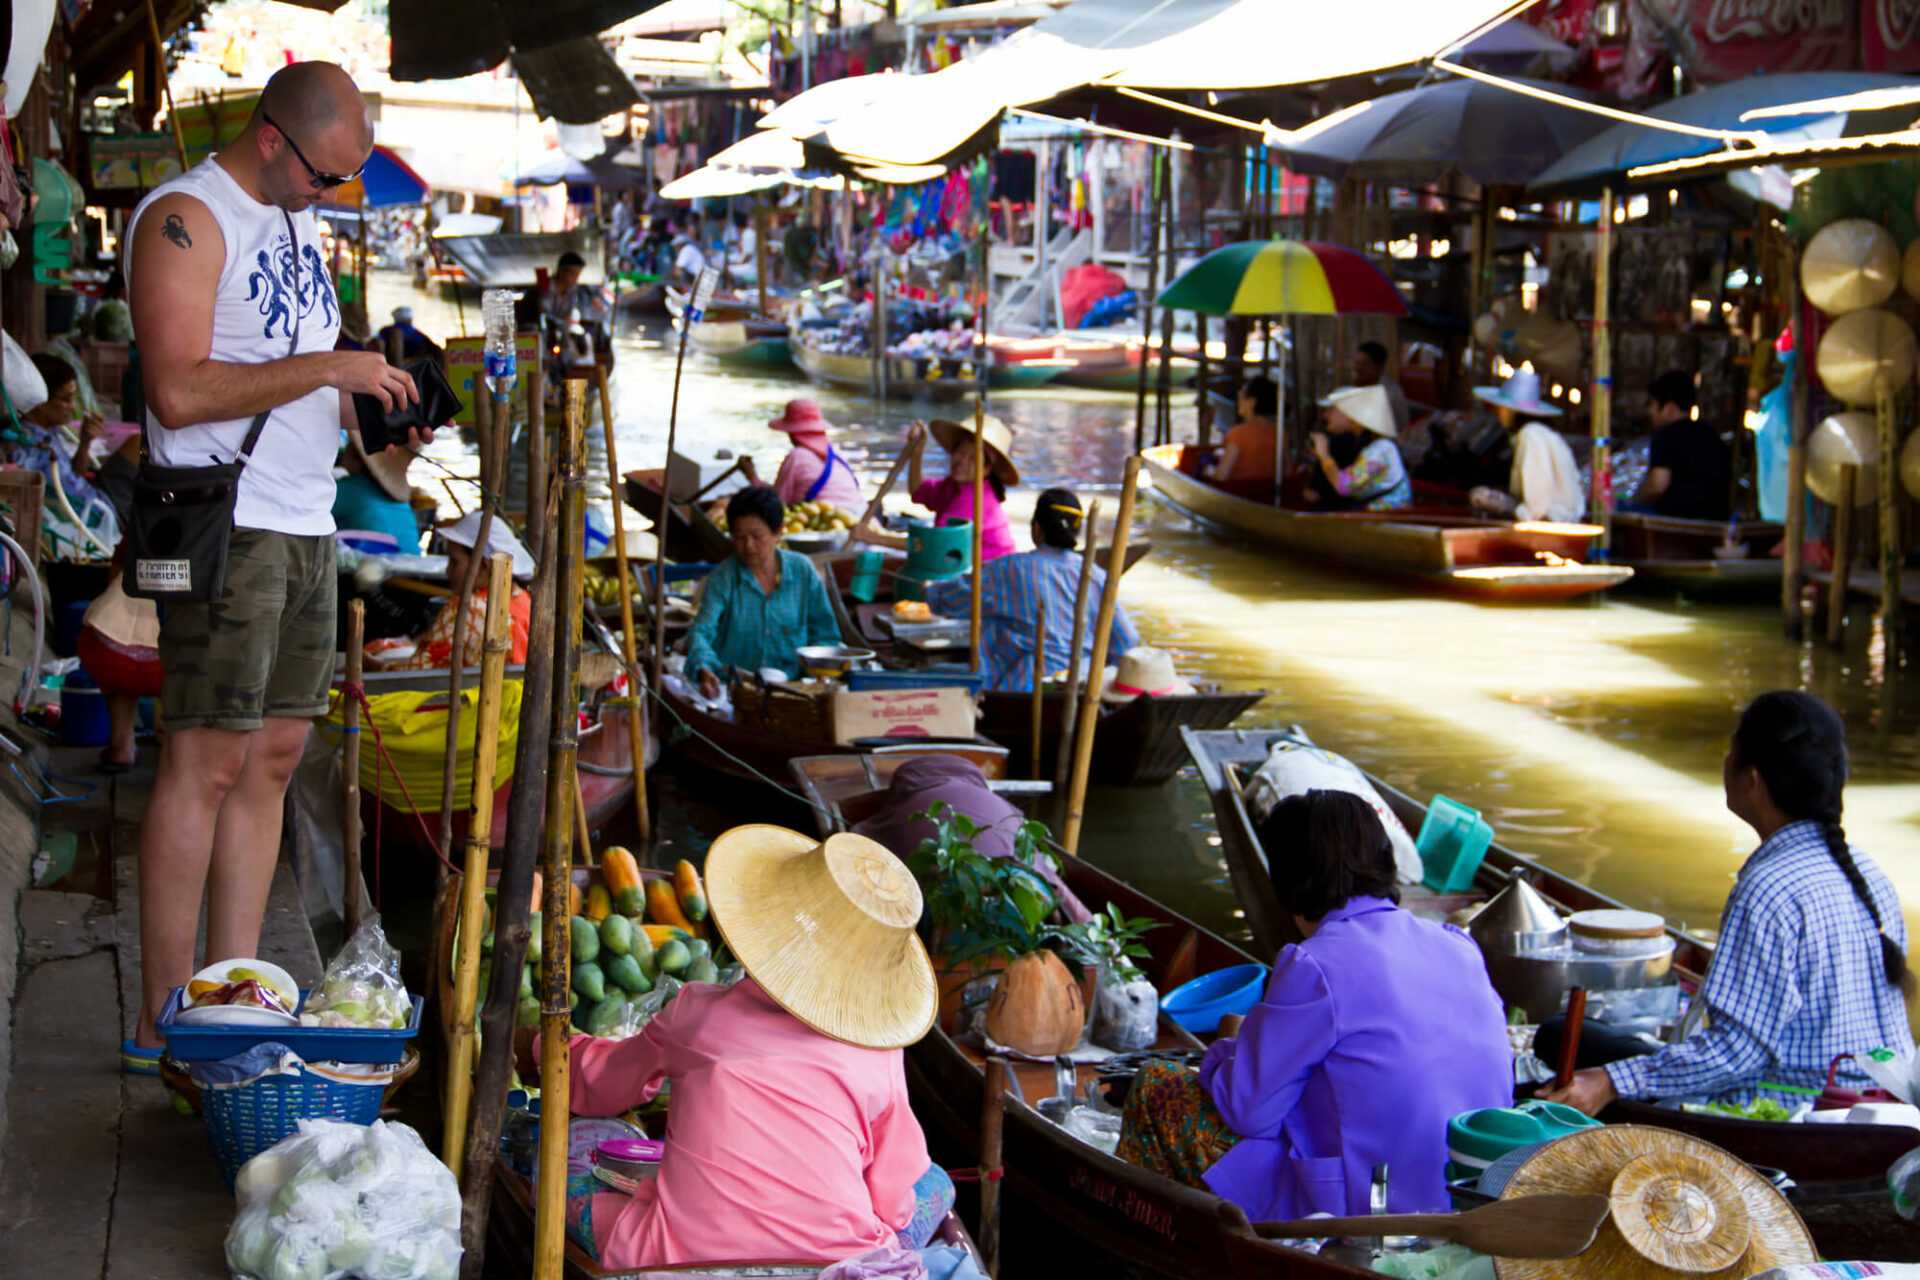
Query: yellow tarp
x=413 y=732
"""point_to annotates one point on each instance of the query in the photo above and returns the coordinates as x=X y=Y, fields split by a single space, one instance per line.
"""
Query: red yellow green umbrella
x=1284 y=277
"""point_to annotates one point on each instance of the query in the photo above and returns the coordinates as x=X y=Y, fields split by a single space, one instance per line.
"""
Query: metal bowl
x=831 y=661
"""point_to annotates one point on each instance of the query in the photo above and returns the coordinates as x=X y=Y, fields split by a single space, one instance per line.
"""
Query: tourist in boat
x=1545 y=481
x=1811 y=962
x=1370 y=370
x=1246 y=461
x=1689 y=468
x=1373 y=1033
x=1360 y=465
x=1012 y=587
x=435 y=648
x=950 y=498
x=762 y=604
x=374 y=494
x=813 y=470
x=790 y=1136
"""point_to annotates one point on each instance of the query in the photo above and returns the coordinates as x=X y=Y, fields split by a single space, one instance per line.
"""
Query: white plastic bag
x=1295 y=768
x=1126 y=1015
x=339 y=1200
x=26 y=389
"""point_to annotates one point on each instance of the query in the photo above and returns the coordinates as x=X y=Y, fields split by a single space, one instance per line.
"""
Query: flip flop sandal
x=138 y=1061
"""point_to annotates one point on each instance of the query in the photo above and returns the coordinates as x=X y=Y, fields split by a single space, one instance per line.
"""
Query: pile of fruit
x=627 y=936
x=602 y=586
x=806 y=517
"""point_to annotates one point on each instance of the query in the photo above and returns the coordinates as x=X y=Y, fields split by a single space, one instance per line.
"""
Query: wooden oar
x=861 y=529
x=1544 y=1226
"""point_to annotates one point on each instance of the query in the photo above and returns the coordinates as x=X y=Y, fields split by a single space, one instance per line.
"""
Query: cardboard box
x=902 y=713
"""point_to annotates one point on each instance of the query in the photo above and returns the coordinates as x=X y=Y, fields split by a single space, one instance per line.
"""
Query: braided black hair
x=1057 y=517
x=1798 y=745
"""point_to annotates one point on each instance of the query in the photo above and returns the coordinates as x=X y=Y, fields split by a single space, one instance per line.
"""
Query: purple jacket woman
x=1374 y=1032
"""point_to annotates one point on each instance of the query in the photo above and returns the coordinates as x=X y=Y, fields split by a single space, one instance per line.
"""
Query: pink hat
x=802 y=417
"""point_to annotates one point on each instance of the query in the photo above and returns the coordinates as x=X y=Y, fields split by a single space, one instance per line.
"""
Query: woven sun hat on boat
x=1143 y=670
x=466 y=531
x=388 y=467
x=1520 y=393
x=1681 y=1208
x=1849 y=264
x=951 y=435
x=1863 y=350
x=827 y=928
x=1368 y=406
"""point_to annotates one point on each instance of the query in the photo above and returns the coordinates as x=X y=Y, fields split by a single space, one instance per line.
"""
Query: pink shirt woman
x=813 y=470
x=950 y=498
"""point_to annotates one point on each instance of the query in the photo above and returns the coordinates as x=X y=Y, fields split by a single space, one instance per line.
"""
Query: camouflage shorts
x=265 y=648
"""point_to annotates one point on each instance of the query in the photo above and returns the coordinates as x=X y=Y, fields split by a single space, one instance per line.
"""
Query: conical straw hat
x=828 y=931
x=1844 y=439
x=1862 y=350
x=952 y=435
x=1681 y=1208
x=1849 y=264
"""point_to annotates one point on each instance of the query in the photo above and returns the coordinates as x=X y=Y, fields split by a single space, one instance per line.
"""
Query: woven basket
x=790 y=712
x=244 y=1120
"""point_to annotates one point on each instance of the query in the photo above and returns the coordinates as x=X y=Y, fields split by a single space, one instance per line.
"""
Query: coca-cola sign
x=1890 y=36
x=1729 y=20
x=1719 y=40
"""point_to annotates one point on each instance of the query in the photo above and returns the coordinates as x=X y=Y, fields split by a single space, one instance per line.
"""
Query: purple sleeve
x=1258 y=1081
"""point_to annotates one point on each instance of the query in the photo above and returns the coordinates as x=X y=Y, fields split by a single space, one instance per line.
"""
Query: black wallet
x=436 y=407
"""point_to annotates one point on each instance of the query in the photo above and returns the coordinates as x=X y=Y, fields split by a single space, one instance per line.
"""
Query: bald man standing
x=235 y=317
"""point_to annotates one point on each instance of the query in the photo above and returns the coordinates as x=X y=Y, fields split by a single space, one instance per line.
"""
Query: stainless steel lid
x=1518 y=922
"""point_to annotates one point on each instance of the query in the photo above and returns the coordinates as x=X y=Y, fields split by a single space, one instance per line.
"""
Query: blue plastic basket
x=921 y=678
x=1453 y=841
x=187 y=1043
x=244 y=1120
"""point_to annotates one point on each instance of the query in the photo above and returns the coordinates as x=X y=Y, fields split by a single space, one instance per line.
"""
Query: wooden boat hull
x=1022 y=375
x=690 y=536
x=1525 y=563
x=1676 y=556
x=643 y=299
x=1830 y=1164
x=1138 y=743
x=855 y=373
x=1104 y=374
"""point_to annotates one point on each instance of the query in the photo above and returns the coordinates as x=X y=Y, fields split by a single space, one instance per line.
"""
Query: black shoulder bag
x=182 y=521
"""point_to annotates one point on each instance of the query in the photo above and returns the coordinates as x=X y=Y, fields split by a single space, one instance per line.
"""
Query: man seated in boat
x=1370 y=370
x=434 y=648
x=1012 y=588
x=1811 y=962
x=1245 y=463
x=763 y=603
x=1545 y=481
x=567 y=300
x=1359 y=465
x=790 y=1137
x=1689 y=468
x=1373 y=1032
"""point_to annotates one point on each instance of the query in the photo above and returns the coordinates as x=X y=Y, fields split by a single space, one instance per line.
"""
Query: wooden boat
x=1054 y=1181
x=1669 y=554
x=1528 y=562
x=643 y=298
x=1114 y=365
x=1138 y=743
x=853 y=371
x=1840 y=1170
x=744 y=341
x=722 y=306
x=690 y=536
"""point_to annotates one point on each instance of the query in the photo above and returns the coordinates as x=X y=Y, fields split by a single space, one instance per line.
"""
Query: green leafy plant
x=1109 y=941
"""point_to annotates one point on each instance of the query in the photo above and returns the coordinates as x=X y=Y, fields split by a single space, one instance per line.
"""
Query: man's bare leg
x=246 y=842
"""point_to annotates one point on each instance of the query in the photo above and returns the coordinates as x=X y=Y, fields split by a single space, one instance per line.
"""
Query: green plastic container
x=1453 y=841
x=1475 y=1139
x=934 y=553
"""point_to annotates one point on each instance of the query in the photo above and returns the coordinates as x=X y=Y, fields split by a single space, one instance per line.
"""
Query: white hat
x=466 y=530
x=1367 y=406
x=388 y=467
x=1520 y=393
x=1143 y=669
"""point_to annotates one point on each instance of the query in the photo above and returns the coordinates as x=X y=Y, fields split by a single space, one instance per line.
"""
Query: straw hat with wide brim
x=828 y=931
x=1520 y=393
x=1143 y=670
x=387 y=467
x=1368 y=406
x=466 y=531
x=1681 y=1208
x=999 y=439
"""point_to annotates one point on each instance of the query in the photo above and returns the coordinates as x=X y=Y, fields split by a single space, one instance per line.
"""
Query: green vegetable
x=1759 y=1109
x=586 y=940
x=589 y=981
x=605 y=1015
x=534 y=943
x=699 y=948
x=674 y=957
x=649 y=964
x=616 y=935
x=703 y=970
x=625 y=973
x=526 y=981
x=527 y=1014
x=642 y=941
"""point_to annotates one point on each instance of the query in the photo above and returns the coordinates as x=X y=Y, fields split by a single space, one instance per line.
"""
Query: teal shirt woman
x=763 y=603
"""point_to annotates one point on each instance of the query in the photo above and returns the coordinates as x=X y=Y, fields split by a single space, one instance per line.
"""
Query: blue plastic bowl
x=1199 y=1005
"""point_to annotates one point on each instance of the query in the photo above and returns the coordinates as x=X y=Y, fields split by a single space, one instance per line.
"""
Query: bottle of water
x=496 y=309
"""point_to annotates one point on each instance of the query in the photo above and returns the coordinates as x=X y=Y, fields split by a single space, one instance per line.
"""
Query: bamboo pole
x=1203 y=405
x=760 y=252
x=473 y=882
x=1601 y=508
x=1146 y=310
x=1096 y=666
x=1890 y=557
x=992 y=1126
x=1792 y=557
x=636 y=723
x=582 y=834
x=166 y=85
x=524 y=825
x=537 y=451
x=350 y=765
x=979 y=522
x=659 y=645
x=1069 y=712
x=1842 y=584
x=550 y=1213
x=1035 y=765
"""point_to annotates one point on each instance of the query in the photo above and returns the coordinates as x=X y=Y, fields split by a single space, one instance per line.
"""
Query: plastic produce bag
x=362 y=986
x=1126 y=1015
x=339 y=1200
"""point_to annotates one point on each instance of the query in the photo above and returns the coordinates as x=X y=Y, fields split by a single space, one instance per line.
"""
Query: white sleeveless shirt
x=288 y=485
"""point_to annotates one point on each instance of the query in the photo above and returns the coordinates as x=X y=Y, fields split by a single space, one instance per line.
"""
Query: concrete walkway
x=97 y=1170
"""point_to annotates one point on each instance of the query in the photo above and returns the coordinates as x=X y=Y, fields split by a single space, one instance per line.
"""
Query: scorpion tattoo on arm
x=176 y=231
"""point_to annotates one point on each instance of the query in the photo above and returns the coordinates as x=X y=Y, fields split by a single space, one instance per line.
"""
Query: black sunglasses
x=321 y=178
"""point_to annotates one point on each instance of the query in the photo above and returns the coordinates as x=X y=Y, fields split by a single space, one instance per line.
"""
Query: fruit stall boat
x=1839 y=1171
x=1527 y=562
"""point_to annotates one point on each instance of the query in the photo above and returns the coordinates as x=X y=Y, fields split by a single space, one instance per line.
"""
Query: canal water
x=1590 y=734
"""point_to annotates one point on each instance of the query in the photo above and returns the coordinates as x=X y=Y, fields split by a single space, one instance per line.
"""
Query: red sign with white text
x=1890 y=35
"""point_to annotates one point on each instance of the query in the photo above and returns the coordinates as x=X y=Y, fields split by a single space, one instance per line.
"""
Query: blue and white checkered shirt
x=1796 y=981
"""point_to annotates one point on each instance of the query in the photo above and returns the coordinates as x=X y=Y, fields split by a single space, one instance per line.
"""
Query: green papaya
x=527 y=1014
x=616 y=935
x=641 y=942
x=630 y=901
x=703 y=970
x=649 y=964
x=674 y=957
x=535 y=944
x=624 y=972
x=586 y=941
x=605 y=1015
x=573 y=999
x=581 y=1011
x=590 y=981
x=700 y=949
x=526 y=981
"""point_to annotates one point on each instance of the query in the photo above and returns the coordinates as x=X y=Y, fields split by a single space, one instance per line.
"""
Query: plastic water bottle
x=496 y=309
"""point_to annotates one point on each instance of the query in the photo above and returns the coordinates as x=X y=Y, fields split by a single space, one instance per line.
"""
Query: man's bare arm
x=178 y=253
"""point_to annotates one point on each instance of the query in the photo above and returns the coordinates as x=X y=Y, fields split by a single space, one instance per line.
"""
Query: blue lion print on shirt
x=272 y=285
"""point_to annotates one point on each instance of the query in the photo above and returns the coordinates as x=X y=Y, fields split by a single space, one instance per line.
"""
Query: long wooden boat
x=855 y=372
x=1528 y=562
x=1840 y=1170
x=1137 y=744
x=690 y=536
x=1673 y=555
x=743 y=341
x=1054 y=1181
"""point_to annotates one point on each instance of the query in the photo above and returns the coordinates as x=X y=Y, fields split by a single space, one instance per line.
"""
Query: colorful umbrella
x=386 y=181
x=1284 y=277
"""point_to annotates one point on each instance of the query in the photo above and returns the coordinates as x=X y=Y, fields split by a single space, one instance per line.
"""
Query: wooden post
x=759 y=253
x=636 y=723
x=537 y=452
x=396 y=345
x=993 y=1112
x=1063 y=760
x=659 y=646
x=1096 y=666
x=350 y=765
x=166 y=85
x=1842 y=584
x=550 y=1212
x=473 y=881
x=1146 y=308
x=1202 y=404
x=1039 y=703
x=1791 y=555
x=1891 y=607
x=979 y=522
x=1601 y=508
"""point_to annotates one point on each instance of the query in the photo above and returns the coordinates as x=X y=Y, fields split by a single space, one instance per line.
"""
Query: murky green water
x=1591 y=734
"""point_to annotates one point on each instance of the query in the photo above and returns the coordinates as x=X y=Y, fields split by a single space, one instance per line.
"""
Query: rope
x=790 y=794
x=996 y=1174
x=384 y=759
